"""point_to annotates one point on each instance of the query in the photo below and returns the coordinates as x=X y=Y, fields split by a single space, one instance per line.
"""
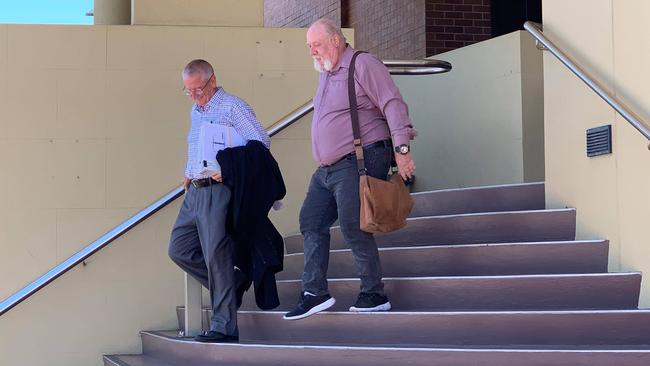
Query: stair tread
x=507 y=197
x=138 y=360
x=471 y=245
x=581 y=256
x=491 y=312
x=583 y=291
x=512 y=292
x=493 y=327
x=173 y=336
x=468 y=214
x=479 y=277
x=470 y=228
x=479 y=188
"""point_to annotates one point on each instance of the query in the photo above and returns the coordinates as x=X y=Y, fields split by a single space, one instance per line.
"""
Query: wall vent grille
x=599 y=140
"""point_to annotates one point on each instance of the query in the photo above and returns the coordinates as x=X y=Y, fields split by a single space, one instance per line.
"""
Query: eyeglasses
x=198 y=91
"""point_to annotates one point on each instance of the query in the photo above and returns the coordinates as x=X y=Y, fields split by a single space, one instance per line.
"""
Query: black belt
x=382 y=143
x=205 y=182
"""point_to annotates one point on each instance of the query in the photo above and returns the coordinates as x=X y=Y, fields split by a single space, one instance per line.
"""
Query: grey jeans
x=334 y=193
x=200 y=246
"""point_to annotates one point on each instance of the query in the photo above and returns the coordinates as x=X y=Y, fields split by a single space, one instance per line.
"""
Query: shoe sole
x=316 y=309
x=382 y=307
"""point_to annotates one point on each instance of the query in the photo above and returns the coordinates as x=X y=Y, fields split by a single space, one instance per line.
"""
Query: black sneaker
x=371 y=302
x=310 y=305
x=215 y=337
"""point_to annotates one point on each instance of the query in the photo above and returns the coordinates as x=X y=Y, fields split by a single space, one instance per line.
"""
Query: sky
x=46 y=11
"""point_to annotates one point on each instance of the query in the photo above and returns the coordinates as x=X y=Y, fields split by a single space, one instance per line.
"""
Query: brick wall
x=393 y=29
x=452 y=24
x=299 y=13
x=390 y=29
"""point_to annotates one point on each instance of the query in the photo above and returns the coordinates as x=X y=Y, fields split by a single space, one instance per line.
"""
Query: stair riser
x=463 y=329
x=201 y=354
x=111 y=362
x=490 y=199
x=533 y=293
x=564 y=293
x=484 y=260
x=114 y=361
x=512 y=227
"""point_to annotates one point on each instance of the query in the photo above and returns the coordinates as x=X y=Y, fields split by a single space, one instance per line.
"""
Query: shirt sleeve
x=187 y=163
x=246 y=123
x=189 y=150
x=373 y=76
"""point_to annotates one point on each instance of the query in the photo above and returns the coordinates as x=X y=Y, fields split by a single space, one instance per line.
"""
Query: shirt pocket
x=336 y=93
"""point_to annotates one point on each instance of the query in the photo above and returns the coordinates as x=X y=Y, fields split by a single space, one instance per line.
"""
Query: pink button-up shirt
x=382 y=111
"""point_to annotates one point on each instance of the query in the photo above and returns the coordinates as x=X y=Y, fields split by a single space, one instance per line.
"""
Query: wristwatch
x=402 y=149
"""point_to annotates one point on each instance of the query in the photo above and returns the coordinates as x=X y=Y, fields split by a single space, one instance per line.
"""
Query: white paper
x=215 y=137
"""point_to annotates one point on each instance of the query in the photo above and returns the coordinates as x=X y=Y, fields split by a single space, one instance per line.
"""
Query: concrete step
x=451 y=329
x=584 y=256
x=509 y=197
x=136 y=360
x=492 y=227
x=527 y=292
x=179 y=351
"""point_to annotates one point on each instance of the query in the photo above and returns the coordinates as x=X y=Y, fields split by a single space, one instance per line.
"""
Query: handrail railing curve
x=535 y=29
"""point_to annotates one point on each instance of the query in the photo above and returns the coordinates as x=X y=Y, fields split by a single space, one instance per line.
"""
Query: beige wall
x=610 y=38
x=198 y=12
x=480 y=124
x=292 y=149
x=101 y=307
x=93 y=124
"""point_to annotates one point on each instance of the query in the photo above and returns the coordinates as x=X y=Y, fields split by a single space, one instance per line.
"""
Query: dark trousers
x=200 y=246
x=334 y=193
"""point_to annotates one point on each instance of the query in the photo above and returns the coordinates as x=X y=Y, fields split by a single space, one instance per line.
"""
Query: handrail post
x=193 y=307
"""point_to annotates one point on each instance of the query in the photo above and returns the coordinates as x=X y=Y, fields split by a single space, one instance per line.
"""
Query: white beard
x=327 y=65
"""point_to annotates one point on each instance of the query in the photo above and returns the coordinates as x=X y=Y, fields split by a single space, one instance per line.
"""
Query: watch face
x=404 y=149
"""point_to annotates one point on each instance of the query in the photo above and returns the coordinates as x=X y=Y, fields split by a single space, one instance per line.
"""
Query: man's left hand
x=217 y=177
x=405 y=165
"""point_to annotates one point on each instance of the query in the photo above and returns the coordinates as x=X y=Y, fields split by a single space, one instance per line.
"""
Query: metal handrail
x=89 y=250
x=291 y=118
x=417 y=67
x=424 y=67
x=535 y=29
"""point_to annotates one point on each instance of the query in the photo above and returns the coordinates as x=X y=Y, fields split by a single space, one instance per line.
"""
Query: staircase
x=480 y=276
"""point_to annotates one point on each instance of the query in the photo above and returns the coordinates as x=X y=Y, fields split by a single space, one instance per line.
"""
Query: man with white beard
x=334 y=188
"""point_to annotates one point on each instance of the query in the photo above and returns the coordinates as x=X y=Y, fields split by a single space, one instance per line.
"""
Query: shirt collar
x=216 y=98
x=346 y=58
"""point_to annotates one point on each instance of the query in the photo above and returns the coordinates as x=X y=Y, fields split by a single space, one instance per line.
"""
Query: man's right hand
x=186 y=183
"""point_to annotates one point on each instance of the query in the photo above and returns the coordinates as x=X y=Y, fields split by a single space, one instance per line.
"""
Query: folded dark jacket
x=255 y=181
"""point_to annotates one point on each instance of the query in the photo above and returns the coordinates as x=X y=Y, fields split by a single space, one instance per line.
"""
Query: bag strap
x=356 y=131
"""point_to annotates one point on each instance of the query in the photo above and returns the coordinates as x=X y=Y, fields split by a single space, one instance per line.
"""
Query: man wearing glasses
x=199 y=243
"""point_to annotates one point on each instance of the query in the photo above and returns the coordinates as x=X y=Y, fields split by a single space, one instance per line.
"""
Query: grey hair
x=331 y=28
x=198 y=67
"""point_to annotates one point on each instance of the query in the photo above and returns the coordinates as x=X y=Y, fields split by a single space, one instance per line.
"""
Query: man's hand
x=186 y=183
x=217 y=177
x=405 y=165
